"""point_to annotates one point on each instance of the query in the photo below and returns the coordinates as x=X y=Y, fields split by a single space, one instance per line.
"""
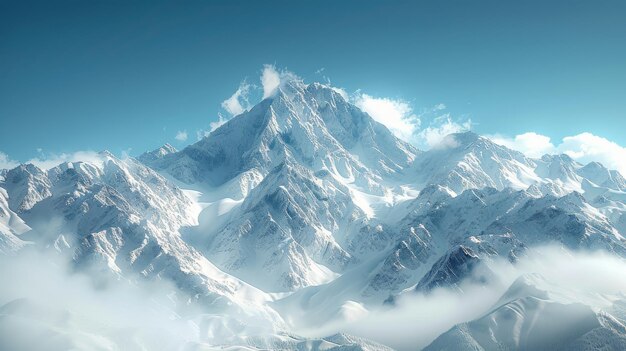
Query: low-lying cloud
x=44 y=294
x=47 y=304
x=418 y=318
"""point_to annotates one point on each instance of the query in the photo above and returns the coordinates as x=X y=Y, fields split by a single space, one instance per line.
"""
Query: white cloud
x=238 y=102
x=126 y=153
x=586 y=147
x=439 y=107
x=435 y=134
x=47 y=161
x=342 y=92
x=74 y=309
x=531 y=144
x=397 y=115
x=270 y=80
x=181 y=135
x=6 y=162
x=583 y=147
x=220 y=121
x=203 y=133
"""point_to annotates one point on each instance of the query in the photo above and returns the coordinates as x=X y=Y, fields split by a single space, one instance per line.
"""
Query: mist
x=418 y=318
x=45 y=303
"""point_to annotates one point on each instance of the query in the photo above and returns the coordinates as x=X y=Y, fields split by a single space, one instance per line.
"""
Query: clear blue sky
x=92 y=75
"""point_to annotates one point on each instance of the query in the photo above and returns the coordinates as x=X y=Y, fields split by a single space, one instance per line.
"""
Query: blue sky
x=128 y=76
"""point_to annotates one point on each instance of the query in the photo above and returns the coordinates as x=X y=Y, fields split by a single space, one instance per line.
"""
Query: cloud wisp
x=245 y=95
x=6 y=162
x=50 y=160
x=426 y=129
x=397 y=115
x=270 y=80
x=400 y=118
x=181 y=135
x=435 y=134
x=238 y=103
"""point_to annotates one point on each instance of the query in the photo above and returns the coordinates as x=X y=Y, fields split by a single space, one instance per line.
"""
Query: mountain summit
x=309 y=124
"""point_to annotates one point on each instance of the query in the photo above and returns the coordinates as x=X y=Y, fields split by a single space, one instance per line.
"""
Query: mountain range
x=304 y=212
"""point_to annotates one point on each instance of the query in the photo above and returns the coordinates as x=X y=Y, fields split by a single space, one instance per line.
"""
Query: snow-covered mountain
x=534 y=315
x=304 y=211
x=120 y=218
x=300 y=166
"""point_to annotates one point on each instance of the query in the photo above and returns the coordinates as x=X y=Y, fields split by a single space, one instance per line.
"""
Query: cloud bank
x=531 y=144
x=240 y=101
x=50 y=306
x=583 y=147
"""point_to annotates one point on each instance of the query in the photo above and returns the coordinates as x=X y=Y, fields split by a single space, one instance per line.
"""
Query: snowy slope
x=311 y=123
x=315 y=154
x=467 y=161
x=533 y=315
x=123 y=219
x=11 y=227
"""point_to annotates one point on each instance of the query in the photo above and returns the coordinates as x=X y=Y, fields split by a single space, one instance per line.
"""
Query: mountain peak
x=106 y=153
x=26 y=168
x=312 y=124
x=159 y=153
x=560 y=158
x=467 y=160
x=167 y=148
